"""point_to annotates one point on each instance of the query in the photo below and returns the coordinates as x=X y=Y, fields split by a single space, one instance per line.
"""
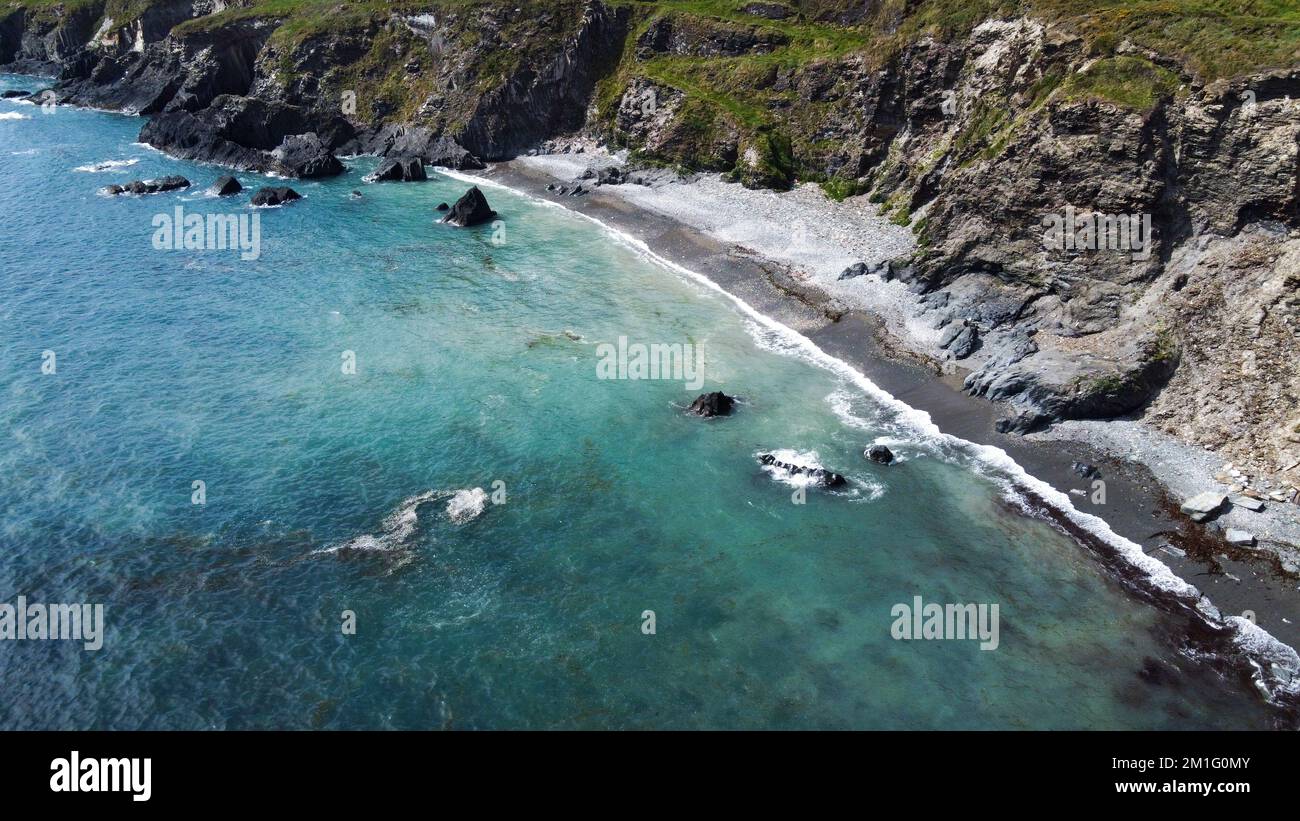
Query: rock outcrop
x=819 y=476
x=225 y=186
x=158 y=186
x=715 y=403
x=402 y=169
x=471 y=209
x=266 y=197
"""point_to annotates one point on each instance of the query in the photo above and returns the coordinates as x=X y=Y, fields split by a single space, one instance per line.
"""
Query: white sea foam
x=397 y=528
x=108 y=165
x=1256 y=642
x=394 y=531
x=466 y=505
x=803 y=458
x=13 y=115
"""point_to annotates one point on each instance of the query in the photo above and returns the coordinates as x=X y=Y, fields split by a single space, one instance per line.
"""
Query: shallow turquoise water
x=176 y=366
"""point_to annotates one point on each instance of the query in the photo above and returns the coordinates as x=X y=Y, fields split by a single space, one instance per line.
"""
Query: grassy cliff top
x=1211 y=38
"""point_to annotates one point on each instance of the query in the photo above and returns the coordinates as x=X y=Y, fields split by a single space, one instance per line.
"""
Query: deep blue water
x=476 y=363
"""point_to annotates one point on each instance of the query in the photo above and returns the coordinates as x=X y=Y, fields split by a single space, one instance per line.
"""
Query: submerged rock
x=466 y=505
x=171 y=183
x=470 y=209
x=275 y=196
x=879 y=454
x=712 y=404
x=401 y=169
x=225 y=187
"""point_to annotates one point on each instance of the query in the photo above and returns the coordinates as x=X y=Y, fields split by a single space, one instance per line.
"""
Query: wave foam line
x=1256 y=642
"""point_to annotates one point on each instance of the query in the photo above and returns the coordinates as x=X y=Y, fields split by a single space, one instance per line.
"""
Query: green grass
x=1132 y=82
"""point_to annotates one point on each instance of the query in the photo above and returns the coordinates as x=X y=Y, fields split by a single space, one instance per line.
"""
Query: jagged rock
x=879 y=454
x=275 y=196
x=857 y=269
x=401 y=169
x=1239 y=538
x=225 y=186
x=470 y=209
x=821 y=476
x=960 y=340
x=158 y=186
x=305 y=156
x=711 y=404
x=431 y=148
x=1247 y=503
x=1203 y=506
x=251 y=134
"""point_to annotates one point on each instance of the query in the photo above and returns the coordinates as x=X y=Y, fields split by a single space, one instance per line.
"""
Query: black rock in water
x=821 y=476
x=157 y=186
x=13 y=94
x=712 y=404
x=275 y=196
x=400 y=169
x=471 y=209
x=879 y=454
x=225 y=186
x=442 y=206
x=304 y=155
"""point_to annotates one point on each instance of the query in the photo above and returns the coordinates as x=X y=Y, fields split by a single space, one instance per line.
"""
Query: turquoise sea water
x=476 y=363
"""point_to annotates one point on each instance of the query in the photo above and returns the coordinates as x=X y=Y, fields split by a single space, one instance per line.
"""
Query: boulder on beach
x=275 y=196
x=1085 y=470
x=470 y=209
x=879 y=454
x=225 y=186
x=171 y=183
x=821 y=476
x=712 y=404
x=1239 y=538
x=399 y=169
x=1203 y=505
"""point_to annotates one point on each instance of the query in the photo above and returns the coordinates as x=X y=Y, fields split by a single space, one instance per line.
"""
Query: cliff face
x=984 y=131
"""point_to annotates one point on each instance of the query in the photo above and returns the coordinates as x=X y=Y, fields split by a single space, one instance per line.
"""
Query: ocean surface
x=476 y=358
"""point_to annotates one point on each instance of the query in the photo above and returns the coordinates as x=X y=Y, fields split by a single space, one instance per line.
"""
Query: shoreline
x=1136 y=507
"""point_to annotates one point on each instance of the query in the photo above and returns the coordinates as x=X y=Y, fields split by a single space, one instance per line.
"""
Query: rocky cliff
x=1105 y=198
